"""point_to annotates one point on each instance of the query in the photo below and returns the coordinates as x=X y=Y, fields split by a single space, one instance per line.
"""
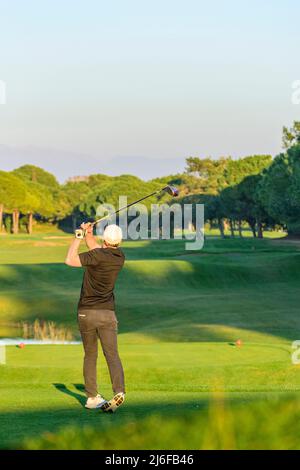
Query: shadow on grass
x=64 y=389
x=18 y=426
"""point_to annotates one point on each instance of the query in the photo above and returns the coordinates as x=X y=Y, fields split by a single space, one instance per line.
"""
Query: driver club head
x=171 y=190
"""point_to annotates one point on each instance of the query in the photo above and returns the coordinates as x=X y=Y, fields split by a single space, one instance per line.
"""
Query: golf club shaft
x=125 y=207
x=80 y=233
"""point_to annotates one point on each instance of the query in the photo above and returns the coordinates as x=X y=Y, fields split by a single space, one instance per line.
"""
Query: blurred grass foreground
x=259 y=425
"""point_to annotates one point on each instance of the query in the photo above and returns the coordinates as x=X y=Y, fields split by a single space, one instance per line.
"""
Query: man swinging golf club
x=96 y=310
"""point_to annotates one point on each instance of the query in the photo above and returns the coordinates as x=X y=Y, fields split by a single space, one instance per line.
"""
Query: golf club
x=171 y=190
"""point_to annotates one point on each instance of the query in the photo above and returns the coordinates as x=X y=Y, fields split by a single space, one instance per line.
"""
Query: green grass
x=263 y=424
x=39 y=385
x=179 y=315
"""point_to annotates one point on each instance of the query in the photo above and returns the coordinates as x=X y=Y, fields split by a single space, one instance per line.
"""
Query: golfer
x=96 y=311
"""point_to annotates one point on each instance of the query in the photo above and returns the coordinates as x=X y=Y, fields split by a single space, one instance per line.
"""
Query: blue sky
x=100 y=86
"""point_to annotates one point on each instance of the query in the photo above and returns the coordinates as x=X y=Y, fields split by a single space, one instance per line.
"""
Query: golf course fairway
x=180 y=314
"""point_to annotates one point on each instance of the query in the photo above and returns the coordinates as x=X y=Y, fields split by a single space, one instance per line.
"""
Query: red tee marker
x=239 y=343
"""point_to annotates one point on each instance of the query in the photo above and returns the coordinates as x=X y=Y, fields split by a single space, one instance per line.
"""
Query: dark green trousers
x=102 y=325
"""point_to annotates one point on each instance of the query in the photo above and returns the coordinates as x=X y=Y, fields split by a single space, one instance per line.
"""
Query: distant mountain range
x=64 y=164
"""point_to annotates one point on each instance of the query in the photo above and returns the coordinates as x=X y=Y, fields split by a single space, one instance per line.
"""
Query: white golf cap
x=112 y=235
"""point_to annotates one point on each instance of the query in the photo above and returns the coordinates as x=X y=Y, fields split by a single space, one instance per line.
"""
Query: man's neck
x=109 y=246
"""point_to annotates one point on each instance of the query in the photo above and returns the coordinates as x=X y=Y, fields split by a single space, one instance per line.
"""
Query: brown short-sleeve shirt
x=102 y=266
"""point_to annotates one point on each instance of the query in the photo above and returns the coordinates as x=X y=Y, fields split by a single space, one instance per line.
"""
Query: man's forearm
x=91 y=241
x=72 y=258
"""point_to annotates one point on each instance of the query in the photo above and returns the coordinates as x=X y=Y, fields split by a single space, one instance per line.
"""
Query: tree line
x=30 y=194
x=255 y=190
